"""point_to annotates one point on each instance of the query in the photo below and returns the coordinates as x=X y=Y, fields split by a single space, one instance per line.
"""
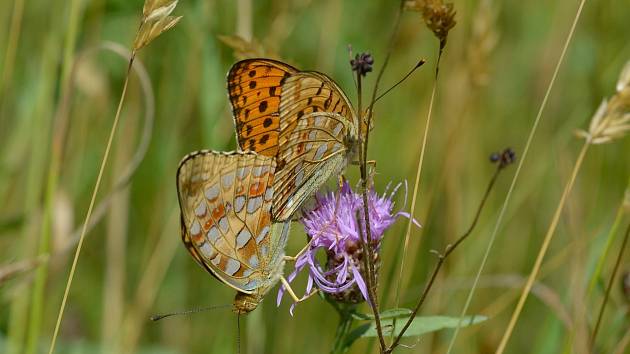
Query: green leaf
x=387 y=314
x=424 y=324
x=355 y=334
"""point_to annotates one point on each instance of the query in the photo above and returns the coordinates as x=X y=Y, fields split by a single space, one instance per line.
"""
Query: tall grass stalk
x=508 y=196
x=18 y=327
x=543 y=249
x=155 y=20
x=610 y=238
x=613 y=276
x=60 y=125
x=89 y=211
x=416 y=185
x=13 y=40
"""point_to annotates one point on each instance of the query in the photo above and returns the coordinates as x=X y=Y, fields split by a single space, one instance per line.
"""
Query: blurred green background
x=497 y=64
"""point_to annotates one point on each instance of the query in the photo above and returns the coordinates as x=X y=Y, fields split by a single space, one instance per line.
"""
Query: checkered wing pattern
x=225 y=201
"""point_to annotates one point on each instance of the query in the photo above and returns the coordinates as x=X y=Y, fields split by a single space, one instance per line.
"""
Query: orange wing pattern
x=303 y=119
x=225 y=201
x=255 y=88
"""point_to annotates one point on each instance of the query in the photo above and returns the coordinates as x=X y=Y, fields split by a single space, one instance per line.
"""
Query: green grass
x=494 y=72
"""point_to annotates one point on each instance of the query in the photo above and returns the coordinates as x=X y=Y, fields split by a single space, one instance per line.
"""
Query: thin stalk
x=363 y=150
x=442 y=257
x=37 y=307
x=508 y=196
x=11 y=51
x=543 y=250
x=610 y=285
x=92 y=201
x=609 y=241
x=343 y=328
x=416 y=184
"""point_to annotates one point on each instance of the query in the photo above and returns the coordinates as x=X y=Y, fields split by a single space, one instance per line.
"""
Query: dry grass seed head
x=612 y=119
x=156 y=20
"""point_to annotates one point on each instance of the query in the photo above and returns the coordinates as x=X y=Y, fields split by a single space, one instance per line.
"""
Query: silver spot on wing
x=243 y=237
x=253 y=204
x=232 y=266
x=263 y=233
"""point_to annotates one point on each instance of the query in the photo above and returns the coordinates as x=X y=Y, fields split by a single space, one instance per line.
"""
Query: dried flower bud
x=362 y=63
x=504 y=158
x=437 y=15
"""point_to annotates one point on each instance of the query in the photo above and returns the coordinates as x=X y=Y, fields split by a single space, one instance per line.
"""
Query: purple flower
x=332 y=227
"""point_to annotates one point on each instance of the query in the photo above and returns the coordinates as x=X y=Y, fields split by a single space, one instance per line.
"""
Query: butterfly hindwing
x=225 y=200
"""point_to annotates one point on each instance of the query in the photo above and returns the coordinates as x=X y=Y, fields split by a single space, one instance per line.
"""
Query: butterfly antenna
x=187 y=312
x=419 y=64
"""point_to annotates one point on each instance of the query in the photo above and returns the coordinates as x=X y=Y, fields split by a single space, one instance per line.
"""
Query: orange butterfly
x=302 y=118
x=225 y=201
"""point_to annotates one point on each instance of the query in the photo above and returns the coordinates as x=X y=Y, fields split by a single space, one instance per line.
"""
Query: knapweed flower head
x=333 y=226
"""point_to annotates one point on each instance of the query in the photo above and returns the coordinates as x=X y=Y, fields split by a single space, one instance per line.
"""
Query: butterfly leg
x=294 y=258
x=287 y=286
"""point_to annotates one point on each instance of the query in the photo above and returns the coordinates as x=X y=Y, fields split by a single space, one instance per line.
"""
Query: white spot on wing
x=257 y=171
x=200 y=210
x=239 y=202
x=264 y=250
x=212 y=192
x=262 y=234
x=321 y=150
x=253 y=261
x=243 y=237
x=319 y=121
x=253 y=204
x=232 y=266
x=269 y=193
x=216 y=260
x=207 y=251
x=213 y=234
x=195 y=229
x=223 y=224
x=299 y=177
x=227 y=180
x=312 y=135
x=337 y=129
x=242 y=172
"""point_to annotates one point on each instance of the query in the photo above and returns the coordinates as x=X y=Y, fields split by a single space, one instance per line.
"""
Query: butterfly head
x=245 y=303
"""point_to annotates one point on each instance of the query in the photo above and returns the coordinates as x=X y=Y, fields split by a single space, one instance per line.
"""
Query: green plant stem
x=543 y=250
x=442 y=257
x=343 y=328
x=610 y=285
x=508 y=196
x=610 y=238
x=89 y=212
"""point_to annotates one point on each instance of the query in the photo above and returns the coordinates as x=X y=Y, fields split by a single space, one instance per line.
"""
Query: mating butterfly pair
x=294 y=130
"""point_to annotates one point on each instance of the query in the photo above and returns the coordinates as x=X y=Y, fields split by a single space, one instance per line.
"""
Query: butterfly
x=301 y=118
x=225 y=200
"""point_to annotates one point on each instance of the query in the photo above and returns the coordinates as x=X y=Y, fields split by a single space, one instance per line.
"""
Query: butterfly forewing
x=225 y=201
x=255 y=88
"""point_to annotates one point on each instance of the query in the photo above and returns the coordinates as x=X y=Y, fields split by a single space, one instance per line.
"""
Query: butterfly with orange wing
x=301 y=118
x=225 y=201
